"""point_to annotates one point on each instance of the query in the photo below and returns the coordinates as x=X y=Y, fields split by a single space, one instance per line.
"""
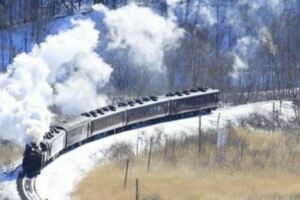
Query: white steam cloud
x=256 y=4
x=245 y=47
x=24 y=97
x=78 y=71
x=267 y=40
x=64 y=70
x=145 y=34
x=199 y=13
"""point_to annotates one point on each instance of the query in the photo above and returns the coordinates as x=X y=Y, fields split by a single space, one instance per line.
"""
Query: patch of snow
x=8 y=183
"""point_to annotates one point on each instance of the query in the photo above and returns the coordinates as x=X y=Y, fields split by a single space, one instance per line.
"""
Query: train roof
x=198 y=93
x=58 y=129
x=144 y=101
x=105 y=113
x=159 y=99
x=73 y=123
x=54 y=133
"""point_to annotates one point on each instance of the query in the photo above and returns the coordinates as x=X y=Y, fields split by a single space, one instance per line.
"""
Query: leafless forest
x=246 y=47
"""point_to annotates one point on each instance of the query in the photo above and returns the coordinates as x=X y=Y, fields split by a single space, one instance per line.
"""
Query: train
x=112 y=119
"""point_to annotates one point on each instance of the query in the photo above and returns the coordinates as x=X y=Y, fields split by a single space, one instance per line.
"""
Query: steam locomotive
x=116 y=118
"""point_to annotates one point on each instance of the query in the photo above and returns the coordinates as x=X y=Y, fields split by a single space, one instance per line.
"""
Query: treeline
x=245 y=49
x=238 y=47
x=15 y=12
x=23 y=23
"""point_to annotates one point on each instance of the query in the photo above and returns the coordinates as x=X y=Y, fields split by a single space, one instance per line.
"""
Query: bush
x=119 y=152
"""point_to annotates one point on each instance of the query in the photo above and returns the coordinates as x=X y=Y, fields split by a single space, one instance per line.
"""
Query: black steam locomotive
x=113 y=119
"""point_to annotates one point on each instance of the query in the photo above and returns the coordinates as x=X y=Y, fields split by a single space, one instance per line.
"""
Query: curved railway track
x=26 y=188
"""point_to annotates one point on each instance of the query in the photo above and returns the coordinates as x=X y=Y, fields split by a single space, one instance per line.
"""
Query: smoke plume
x=62 y=71
x=145 y=35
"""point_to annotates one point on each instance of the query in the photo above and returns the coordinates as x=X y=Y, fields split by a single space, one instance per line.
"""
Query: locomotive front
x=32 y=160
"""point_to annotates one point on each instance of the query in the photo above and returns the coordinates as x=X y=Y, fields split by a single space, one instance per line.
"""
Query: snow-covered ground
x=57 y=180
x=8 y=183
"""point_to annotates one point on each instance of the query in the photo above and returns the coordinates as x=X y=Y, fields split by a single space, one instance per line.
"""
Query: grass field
x=252 y=165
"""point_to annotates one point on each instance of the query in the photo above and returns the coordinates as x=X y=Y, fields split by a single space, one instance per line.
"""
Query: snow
x=58 y=179
x=8 y=183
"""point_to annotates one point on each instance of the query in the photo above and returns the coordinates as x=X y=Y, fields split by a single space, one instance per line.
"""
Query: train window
x=113 y=120
x=104 y=122
x=75 y=131
x=148 y=111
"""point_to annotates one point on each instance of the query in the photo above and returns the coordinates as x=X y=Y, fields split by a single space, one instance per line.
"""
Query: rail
x=26 y=188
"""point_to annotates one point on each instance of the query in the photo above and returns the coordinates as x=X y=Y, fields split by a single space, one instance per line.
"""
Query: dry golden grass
x=9 y=153
x=177 y=173
x=106 y=182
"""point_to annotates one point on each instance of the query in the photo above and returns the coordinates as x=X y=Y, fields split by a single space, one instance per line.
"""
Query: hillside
x=94 y=153
x=223 y=41
x=251 y=165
